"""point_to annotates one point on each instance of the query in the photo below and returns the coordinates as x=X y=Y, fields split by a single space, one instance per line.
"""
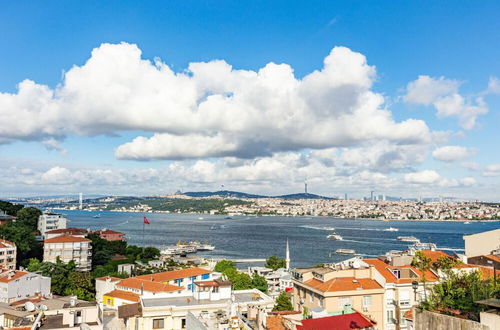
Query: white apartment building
x=7 y=254
x=68 y=248
x=17 y=285
x=50 y=221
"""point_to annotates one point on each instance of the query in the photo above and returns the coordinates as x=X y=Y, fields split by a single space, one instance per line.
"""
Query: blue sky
x=455 y=44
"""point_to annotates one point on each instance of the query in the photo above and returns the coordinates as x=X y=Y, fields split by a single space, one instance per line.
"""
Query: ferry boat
x=335 y=236
x=391 y=229
x=345 y=251
x=423 y=246
x=408 y=239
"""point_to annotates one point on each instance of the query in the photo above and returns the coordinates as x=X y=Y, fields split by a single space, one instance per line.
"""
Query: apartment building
x=8 y=252
x=182 y=277
x=211 y=301
x=484 y=243
x=18 y=285
x=339 y=290
x=50 y=221
x=403 y=288
x=67 y=248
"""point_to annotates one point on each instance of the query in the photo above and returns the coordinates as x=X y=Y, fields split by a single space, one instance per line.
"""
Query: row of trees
x=241 y=281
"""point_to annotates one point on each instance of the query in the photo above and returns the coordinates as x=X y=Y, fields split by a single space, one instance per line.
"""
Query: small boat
x=335 y=236
x=391 y=229
x=345 y=251
x=228 y=218
x=200 y=218
x=467 y=223
x=328 y=228
x=97 y=215
x=412 y=239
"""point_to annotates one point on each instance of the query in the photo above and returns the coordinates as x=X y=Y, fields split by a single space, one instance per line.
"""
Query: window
x=158 y=324
x=311 y=297
x=215 y=289
x=190 y=287
x=183 y=323
x=343 y=301
x=367 y=301
x=390 y=317
x=402 y=318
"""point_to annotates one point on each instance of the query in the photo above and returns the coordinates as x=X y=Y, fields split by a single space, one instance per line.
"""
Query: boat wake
x=450 y=249
x=318 y=228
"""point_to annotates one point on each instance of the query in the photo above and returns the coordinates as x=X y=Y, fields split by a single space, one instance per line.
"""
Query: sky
x=151 y=97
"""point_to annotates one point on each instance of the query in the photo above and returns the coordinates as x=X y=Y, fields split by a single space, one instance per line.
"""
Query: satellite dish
x=44 y=308
x=356 y=264
x=29 y=306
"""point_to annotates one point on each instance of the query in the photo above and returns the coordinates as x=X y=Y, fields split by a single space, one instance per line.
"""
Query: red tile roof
x=15 y=274
x=69 y=231
x=344 y=284
x=337 y=322
x=493 y=257
x=385 y=270
x=408 y=314
x=136 y=283
x=6 y=244
x=109 y=231
x=105 y=278
x=125 y=295
x=435 y=255
x=174 y=275
x=66 y=239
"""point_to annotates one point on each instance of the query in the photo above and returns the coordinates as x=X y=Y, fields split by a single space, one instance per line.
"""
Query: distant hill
x=237 y=194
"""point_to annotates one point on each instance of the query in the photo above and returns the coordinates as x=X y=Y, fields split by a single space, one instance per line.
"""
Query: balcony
x=392 y=302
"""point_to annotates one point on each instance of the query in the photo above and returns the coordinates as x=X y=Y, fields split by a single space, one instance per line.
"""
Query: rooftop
x=242 y=296
x=344 y=284
x=6 y=244
x=124 y=295
x=385 y=270
x=66 y=239
x=137 y=283
x=69 y=231
x=174 y=275
x=337 y=322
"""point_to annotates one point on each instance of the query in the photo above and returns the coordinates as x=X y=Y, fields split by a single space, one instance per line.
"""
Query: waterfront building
x=339 y=290
x=50 y=221
x=8 y=252
x=16 y=285
x=484 y=243
x=110 y=235
x=67 y=248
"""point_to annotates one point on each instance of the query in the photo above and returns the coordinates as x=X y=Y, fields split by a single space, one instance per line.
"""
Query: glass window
x=158 y=324
x=367 y=301
x=344 y=301
x=390 y=317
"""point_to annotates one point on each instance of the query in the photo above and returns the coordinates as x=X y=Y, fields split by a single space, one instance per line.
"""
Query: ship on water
x=412 y=239
x=335 y=236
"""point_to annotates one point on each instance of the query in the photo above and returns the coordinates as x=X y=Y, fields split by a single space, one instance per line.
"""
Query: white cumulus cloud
x=451 y=153
x=210 y=109
x=426 y=176
x=443 y=94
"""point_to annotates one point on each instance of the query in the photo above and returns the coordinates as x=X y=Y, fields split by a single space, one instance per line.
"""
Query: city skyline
x=400 y=98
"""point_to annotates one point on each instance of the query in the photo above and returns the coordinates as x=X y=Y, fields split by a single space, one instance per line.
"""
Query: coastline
x=288 y=216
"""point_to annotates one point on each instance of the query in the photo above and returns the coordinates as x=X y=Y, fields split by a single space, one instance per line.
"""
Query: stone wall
x=425 y=320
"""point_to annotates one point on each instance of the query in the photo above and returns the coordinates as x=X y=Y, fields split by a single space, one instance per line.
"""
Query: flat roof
x=244 y=296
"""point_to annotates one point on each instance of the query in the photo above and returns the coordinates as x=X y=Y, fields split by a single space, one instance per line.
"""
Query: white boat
x=412 y=239
x=423 y=246
x=335 y=236
x=200 y=218
x=466 y=223
x=391 y=229
x=328 y=228
x=345 y=251
x=205 y=247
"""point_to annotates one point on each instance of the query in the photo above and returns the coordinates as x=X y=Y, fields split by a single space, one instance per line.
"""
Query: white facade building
x=50 y=221
x=66 y=248
x=18 y=285
x=7 y=254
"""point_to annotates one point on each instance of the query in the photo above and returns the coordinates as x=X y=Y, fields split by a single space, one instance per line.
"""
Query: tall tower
x=287 y=255
x=305 y=185
x=80 y=206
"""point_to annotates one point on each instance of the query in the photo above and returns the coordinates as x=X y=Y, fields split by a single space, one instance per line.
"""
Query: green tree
x=9 y=208
x=150 y=253
x=460 y=292
x=275 y=263
x=222 y=265
x=445 y=263
x=22 y=236
x=423 y=264
x=259 y=283
x=283 y=303
x=80 y=285
x=29 y=217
